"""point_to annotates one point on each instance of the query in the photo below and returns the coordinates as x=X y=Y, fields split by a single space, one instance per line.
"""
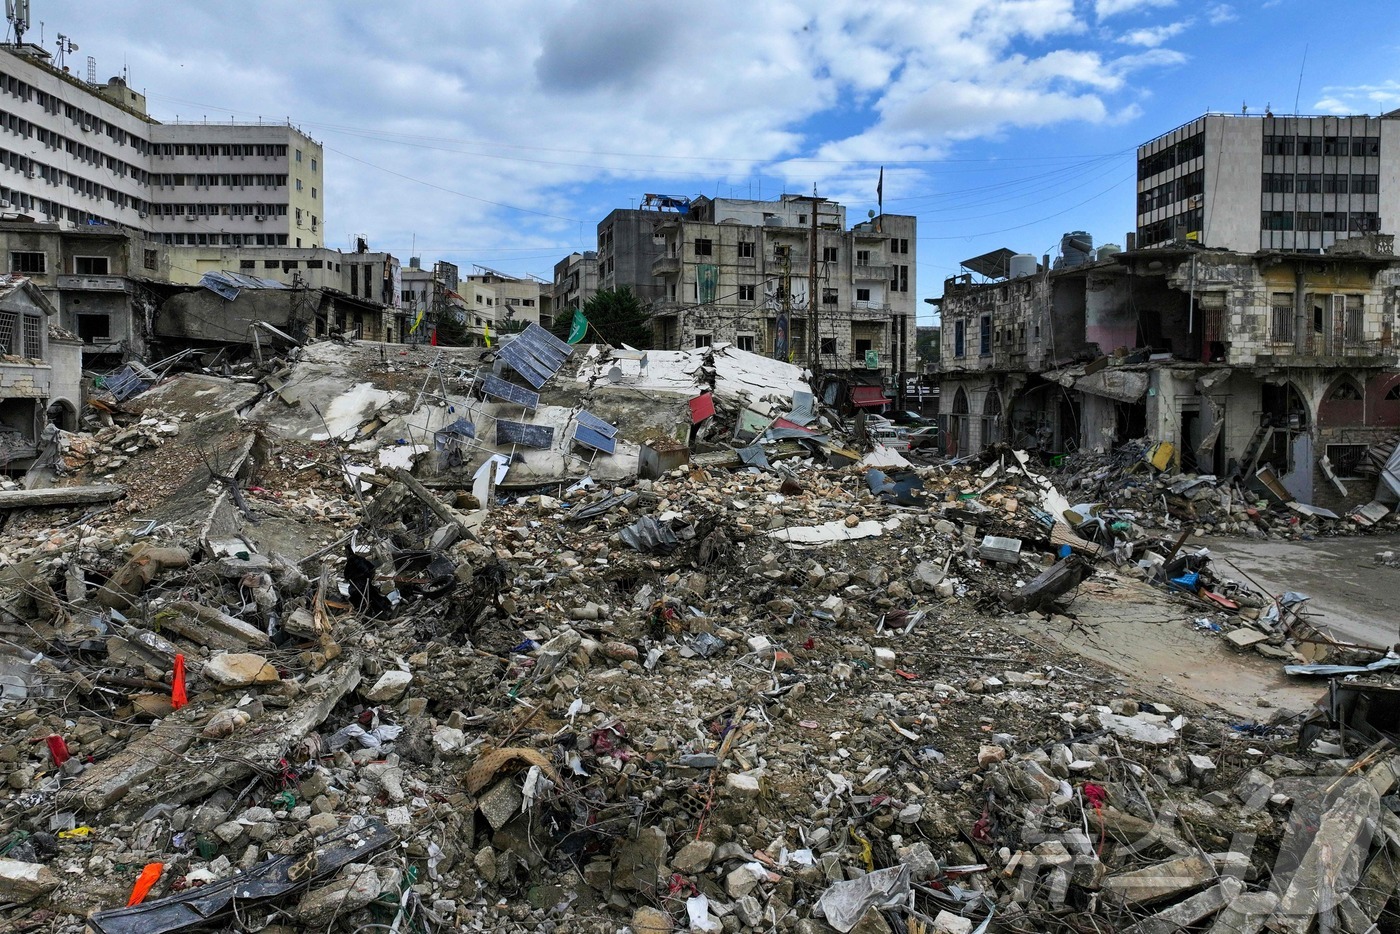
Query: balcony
x=666 y=266
x=880 y=273
x=866 y=311
x=1322 y=350
x=92 y=283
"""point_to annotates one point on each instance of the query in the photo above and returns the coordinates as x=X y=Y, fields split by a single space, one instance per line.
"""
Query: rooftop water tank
x=1022 y=264
x=1076 y=248
x=1107 y=250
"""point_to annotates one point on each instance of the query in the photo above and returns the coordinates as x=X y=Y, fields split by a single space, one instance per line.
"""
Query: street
x=1350 y=591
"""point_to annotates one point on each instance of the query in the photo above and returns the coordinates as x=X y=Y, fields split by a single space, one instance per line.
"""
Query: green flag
x=579 y=327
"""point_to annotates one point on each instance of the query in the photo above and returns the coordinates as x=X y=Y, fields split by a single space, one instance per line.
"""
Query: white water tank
x=1022 y=264
x=1107 y=250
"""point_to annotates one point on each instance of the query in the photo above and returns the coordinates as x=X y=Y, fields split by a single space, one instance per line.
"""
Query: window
x=959 y=338
x=746 y=342
x=703 y=339
x=30 y=264
x=900 y=282
x=1309 y=185
x=298 y=155
x=1334 y=184
x=1277 y=220
x=828 y=346
x=862 y=257
x=313 y=191
x=746 y=293
x=828 y=296
x=801 y=218
x=1353 y=331
x=1334 y=220
x=862 y=295
x=149 y=259
x=1346 y=460
x=298 y=184
x=92 y=328
x=862 y=346
x=704 y=248
x=1365 y=184
x=1309 y=220
x=90 y=265
x=247 y=264
x=781 y=251
x=984 y=340
x=313 y=163
x=1366 y=146
x=829 y=254
x=1334 y=146
x=1275 y=183
x=1346 y=391
x=745 y=249
x=270 y=264
x=899 y=245
x=1281 y=316
x=33 y=336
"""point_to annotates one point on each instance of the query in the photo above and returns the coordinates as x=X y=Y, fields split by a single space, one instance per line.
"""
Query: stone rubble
x=555 y=731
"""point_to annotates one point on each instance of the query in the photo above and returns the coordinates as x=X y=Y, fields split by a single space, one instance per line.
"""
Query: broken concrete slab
x=238 y=670
x=22 y=882
x=1190 y=911
x=1160 y=881
x=1245 y=914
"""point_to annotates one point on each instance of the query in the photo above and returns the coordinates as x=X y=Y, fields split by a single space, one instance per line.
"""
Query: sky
x=500 y=134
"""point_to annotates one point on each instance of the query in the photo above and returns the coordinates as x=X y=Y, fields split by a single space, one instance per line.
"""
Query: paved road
x=1354 y=597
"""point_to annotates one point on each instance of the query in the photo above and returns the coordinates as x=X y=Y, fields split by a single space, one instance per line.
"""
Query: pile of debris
x=268 y=692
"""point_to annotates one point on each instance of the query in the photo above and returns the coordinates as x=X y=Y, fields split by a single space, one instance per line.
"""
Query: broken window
x=94 y=327
x=828 y=346
x=29 y=263
x=746 y=293
x=1346 y=390
x=1346 y=459
x=90 y=265
x=828 y=296
x=704 y=247
x=829 y=254
x=1353 y=331
x=33 y=336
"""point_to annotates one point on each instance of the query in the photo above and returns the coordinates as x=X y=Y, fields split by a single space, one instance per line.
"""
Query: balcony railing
x=881 y=272
x=666 y=266
x=93 y=283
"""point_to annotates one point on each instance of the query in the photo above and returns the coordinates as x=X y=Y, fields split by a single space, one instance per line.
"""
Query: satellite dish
x=870 y=214
x=615 y=374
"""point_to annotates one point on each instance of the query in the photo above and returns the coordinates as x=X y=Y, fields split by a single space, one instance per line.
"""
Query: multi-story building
x=1246 y=182
x=741 y=272
x=575 y=280
x=79 y=154
x=515 y=301
x=628 y=245
x=1239 y=360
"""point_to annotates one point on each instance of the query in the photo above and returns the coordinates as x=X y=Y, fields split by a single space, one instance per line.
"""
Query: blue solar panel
x=590 y=420
x=593 y=439
x=525 y=435
x=509 y=392
x=535 y=354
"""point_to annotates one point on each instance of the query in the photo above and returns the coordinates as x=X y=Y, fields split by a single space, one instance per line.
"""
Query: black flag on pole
x=880 y=193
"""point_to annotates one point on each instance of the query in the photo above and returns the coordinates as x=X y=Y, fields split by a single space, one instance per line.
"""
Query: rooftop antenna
x=1299 y=93
x=65 y=46
x=92 y=70
x=17 y=12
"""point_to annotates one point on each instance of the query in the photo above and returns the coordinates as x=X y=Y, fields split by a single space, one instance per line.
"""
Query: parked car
x=925 y=437
x=911 y=419
x=892 y=437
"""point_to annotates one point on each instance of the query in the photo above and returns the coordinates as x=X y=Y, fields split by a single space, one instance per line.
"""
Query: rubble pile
x=1126 y=485
x=252 y=689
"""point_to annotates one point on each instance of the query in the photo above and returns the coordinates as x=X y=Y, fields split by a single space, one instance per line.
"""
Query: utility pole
x=813 y=336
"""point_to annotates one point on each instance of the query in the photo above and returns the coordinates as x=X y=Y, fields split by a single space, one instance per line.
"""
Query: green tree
x=614 y=316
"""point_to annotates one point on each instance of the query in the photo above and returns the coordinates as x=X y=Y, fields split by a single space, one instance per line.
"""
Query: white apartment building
x=78 y=155
x=1266 y=182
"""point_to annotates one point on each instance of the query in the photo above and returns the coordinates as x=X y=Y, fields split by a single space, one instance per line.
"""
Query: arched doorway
x=991 y=418
x=62 y=414
x=959 y=426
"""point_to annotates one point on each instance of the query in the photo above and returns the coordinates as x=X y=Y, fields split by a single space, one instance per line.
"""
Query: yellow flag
x=486 y=333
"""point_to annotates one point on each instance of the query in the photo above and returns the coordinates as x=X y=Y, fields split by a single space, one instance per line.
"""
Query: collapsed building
x=1274 y=367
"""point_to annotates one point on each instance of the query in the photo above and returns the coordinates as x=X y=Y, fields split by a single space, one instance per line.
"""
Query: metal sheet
x=509 y=392
x=535 y=354
x=524 y=434
x=590 y=420
x=592 y=439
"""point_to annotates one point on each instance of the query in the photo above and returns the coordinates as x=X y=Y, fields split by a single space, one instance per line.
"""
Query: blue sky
x=500 y=134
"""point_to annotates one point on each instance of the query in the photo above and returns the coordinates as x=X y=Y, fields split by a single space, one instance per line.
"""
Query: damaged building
x=1276 y=367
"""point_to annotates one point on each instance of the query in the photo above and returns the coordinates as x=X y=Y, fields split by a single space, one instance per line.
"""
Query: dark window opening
x=828 y=345
x=92 y=328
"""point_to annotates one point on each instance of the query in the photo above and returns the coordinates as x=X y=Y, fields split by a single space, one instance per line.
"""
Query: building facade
x=78 y=154
x=1268 y=182
x=575 y=280
x=741 y=271
x=1285 y=360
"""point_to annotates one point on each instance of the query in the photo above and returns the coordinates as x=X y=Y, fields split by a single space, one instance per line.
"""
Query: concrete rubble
x=458 y=688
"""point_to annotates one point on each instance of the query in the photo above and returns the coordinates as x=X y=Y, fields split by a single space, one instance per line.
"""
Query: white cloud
x=1107 y=8
x=1152 y=36
x=1220 y=14
x=1360 y=98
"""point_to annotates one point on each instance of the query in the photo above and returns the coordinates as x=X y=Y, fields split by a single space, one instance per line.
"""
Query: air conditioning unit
x=189 y=218
x=142 y=214
x=260 y=217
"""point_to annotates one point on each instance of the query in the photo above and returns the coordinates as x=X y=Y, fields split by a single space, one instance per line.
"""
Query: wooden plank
x=61 y=496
